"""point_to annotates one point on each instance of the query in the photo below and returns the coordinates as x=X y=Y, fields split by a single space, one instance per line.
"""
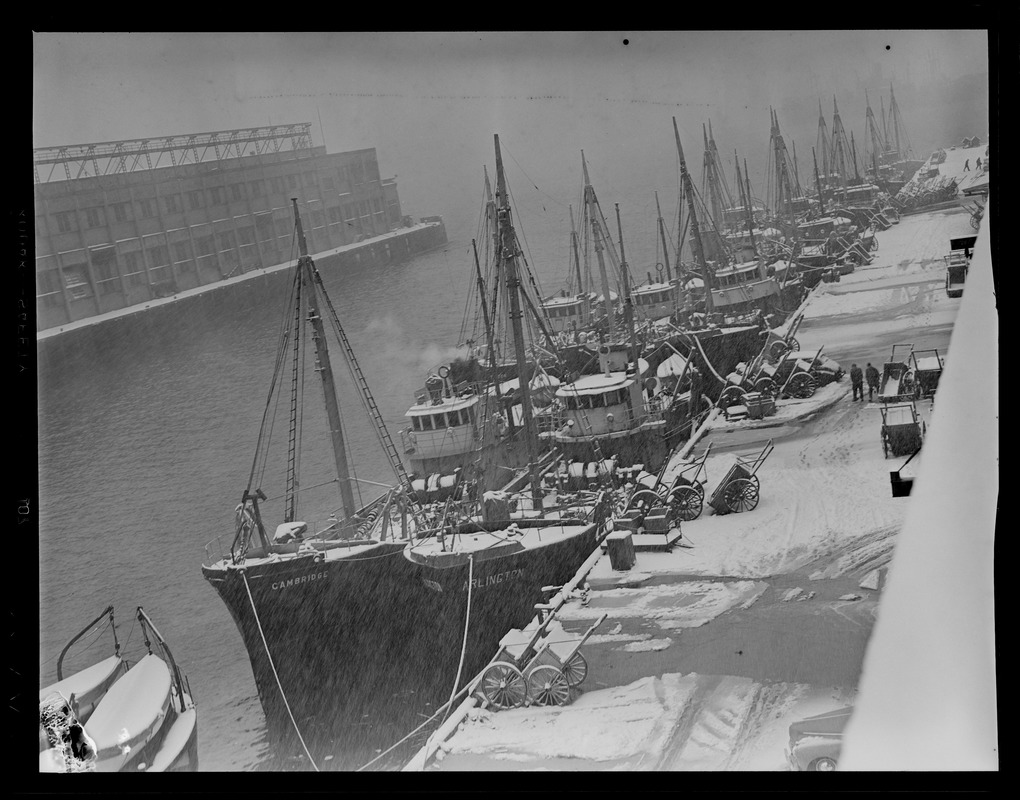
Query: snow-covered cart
x=540 y=665
x=902 y=429
x=658 y=508
x=927 y=366
x=739 y=489
x=897 y=375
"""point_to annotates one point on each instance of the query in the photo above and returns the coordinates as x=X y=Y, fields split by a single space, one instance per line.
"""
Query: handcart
x=686 y=494
x=540 y=665
x=739 y=489
x=659 y=508
x=902 y=429
x=927 y=366
x=797 y=375
x=897 y=376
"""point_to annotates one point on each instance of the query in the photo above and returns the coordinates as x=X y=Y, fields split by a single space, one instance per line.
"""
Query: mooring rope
x=467 y=622
x=251 y=600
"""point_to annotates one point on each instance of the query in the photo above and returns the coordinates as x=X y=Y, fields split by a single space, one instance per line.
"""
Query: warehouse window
x=195 y=200
x=158 y=255
x=65 y=221
x=120 y=211
x=182 y=251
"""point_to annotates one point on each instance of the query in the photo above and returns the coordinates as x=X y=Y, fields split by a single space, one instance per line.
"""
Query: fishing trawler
x=138 y=717
x=733 y=275
x=384 y=611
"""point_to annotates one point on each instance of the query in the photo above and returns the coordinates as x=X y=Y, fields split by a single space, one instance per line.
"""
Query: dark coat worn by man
x=872 y=376
x=857 y=381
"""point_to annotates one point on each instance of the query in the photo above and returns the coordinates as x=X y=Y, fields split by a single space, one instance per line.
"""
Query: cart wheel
x=754 y=479
x=686 y=503
x=731 y=396
x=576 y=670
x=802 y=386
x=504 y=686
x=767 y=387
x=700 y=489
x=547 y=686
x=794 y=344
x=741 y=494
x=778 y=349
x=644 y=498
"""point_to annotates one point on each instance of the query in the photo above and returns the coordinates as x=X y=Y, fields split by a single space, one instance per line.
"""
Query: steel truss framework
x=130 y=155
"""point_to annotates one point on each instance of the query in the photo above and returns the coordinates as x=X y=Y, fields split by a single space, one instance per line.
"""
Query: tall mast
x=577 y=255
x=662 y=235
x=818 y=183
x=796 y=169
x=508 y=255
x=628 y=301
x=596 y=229
x=853 y=150
x=490 y=210
x=699 y=249
x=885 y=126
x=747 y=204
x=874 y=137
x=325 y=370
x=490 y=215
x=488 y=326
x=824 y=143
x=894 y=111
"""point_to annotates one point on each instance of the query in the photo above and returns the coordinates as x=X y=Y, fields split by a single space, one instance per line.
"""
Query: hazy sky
x=430 y=102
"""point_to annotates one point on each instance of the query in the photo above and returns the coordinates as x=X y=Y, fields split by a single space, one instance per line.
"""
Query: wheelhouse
x=653 y=300
x=742 y=283
x=444 y=428
x=567 y=313
x=600 y=404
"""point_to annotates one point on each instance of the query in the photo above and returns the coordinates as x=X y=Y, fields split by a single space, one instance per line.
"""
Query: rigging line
x=526 y=175
x=527 y=247
x=280 y=355
x=244 y=577
x=300 y=421
x=394 y=746
x=284 y=338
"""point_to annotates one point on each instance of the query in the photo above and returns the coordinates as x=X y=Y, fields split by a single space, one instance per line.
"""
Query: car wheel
x=822 y=765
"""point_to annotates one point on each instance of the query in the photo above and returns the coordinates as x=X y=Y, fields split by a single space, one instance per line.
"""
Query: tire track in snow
x=681 y=732
x=769 y=704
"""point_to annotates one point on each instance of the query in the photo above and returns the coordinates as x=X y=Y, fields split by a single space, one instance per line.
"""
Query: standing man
x=857 y=381
x=872 y=375
x=966 y=165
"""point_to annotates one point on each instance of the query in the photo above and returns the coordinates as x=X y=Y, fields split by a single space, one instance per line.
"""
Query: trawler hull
x=366 y=643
